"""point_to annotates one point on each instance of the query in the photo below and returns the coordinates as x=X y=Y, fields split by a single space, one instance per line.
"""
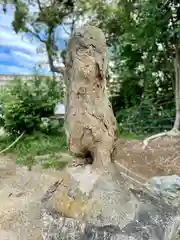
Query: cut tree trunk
x=89 y=120
x=175 y=131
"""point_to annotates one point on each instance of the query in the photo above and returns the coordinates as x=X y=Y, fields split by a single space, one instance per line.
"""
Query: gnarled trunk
x=89 y=121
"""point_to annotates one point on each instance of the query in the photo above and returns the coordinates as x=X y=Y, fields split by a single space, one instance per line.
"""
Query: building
x=4 y=79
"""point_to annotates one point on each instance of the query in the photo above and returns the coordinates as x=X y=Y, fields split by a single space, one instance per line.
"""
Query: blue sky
x=18 y=53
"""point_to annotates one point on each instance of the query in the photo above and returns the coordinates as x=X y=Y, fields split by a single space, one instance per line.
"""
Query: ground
x=21 y=190
x=20 y=193
x=161 y=156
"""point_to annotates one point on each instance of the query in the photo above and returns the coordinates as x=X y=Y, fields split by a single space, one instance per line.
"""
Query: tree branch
x=39 y=5
x=49 y=46
x=53 y=68
x=35 y=35
x=172 y=133
x=65 y=30
x=50 y=59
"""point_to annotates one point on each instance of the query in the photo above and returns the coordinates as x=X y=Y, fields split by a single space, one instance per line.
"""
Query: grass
x=55 y=164
x=126 y=135
x=131 y=136
x=34 y=145
x=40 y=143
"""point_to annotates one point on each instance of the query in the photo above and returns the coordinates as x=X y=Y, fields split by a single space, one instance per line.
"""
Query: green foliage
x=142 y=37
x=54 y=14
x=26 y=103
x=41 y=24
x=51 y=125
x=1 y=121
x=1 y=117
x=41 y=143
x=20 y=16
x=36 y=144
x=145 y=120
x=55 y=164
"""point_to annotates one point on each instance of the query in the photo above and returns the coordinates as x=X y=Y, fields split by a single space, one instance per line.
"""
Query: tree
x=90 y=123
x=42 y=23
x=166 y=17
x=143 y=36
x=143 y=40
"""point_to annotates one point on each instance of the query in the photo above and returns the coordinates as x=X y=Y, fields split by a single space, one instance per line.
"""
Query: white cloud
x=14 y=70
x=22 y=55
x=10 y=39
x=18 y=44
x=22 y=51
x=31 y=58
x=17 y=49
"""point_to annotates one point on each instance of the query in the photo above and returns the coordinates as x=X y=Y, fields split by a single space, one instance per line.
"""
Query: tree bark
x=177 y=89
x=175 y=131
x=49 y=44
x=89 y=120
x=53 y=68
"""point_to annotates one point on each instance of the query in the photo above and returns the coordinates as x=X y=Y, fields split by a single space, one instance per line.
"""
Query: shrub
x=145 y=120
x=26 y=102
x=2 y=122
x=37 y=144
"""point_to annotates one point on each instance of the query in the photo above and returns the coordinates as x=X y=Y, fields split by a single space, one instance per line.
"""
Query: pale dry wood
x=89 y=120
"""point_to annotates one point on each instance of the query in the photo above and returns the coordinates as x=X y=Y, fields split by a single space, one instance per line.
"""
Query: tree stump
x=89 y=120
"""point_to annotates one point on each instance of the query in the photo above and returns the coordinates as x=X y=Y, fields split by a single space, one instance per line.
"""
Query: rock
x=88 y=204
x=166 y=187
x=71 y=229
x=154 y=218
x=92 y=196
x=94 y=203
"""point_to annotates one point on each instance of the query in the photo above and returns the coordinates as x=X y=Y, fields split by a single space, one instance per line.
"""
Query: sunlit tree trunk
x=89 y=121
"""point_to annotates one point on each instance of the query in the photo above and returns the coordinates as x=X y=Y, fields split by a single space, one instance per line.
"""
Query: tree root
x=172 y=133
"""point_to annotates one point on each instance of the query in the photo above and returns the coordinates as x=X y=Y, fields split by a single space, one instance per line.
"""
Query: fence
x=147 y=119
x=4 y=79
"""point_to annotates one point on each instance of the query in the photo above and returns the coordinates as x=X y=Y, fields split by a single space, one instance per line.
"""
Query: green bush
x=51 y=126
x=38 y=143
x=26 y=102
x=2 y=122
x=145 y=120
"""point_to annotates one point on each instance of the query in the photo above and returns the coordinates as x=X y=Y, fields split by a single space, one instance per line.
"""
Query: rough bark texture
x=89 y=121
